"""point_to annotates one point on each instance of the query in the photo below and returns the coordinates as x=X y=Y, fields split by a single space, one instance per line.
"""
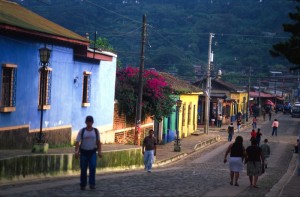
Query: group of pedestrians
x=254 y=156
x=269 y=112
x=88 y=145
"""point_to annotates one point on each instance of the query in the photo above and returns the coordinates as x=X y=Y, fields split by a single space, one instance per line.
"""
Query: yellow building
x=189 y=96
x=188 y=114
x=241 y=101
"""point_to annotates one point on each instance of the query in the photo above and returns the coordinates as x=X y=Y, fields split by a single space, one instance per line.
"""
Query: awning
x=218 y=95
x=261 y=94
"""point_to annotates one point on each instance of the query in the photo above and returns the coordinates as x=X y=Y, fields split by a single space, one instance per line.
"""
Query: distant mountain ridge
x=178 y=30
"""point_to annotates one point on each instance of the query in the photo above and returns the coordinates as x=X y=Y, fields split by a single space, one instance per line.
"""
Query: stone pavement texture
x=166 y=155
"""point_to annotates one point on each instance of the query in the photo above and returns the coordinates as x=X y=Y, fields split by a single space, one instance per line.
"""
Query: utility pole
x=248 y=97
x=259 y=99
x=208 y=86
x=140 y=90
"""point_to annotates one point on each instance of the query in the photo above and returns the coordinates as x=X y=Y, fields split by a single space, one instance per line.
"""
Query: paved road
x=201 y=174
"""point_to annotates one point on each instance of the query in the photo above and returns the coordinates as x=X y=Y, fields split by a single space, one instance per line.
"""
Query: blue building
x=78 y=82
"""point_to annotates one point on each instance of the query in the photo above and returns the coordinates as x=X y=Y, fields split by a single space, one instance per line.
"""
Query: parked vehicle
x=296 y=110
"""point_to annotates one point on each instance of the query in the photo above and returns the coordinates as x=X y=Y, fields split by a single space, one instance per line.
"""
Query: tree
x=103 y=44
x=156 y=93
x=290 y=49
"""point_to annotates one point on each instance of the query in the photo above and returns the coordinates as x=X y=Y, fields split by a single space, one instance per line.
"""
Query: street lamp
x=44 y=60
x=177 y=145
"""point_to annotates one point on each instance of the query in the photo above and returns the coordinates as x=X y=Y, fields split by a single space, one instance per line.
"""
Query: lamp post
x=44 y=62
x=177 y=145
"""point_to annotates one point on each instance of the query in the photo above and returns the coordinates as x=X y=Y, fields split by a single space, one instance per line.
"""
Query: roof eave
x=41 y=34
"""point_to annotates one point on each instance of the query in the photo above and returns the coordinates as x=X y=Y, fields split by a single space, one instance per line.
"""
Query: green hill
x=178 y=30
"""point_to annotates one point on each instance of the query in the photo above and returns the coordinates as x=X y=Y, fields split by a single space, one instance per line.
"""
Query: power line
x=113 y=12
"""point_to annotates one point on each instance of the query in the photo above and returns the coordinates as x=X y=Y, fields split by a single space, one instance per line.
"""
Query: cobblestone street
x=200 y=174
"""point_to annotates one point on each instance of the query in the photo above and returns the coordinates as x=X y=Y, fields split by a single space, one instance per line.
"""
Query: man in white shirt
x=86 y=146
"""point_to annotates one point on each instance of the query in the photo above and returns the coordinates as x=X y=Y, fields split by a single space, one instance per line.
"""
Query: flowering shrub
x=156 y=93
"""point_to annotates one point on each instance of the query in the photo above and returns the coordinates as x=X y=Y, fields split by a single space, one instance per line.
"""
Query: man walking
x=220 y=118
x=275 y=125
x=149 y=150
x=239 y=124
x=265 y=152
x=230 y=131
x=87 y=143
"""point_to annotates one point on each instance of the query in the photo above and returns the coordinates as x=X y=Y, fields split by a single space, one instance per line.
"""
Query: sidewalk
x=165 y=152
x=292 y=187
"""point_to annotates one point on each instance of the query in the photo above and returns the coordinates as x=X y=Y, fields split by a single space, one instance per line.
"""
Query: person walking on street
x=220 y=118
x=253 y=160
x=230 y=131
x=253 y=134
x=264 y=114
x=86 y=146
x=254 y=122
x=149 y=150
x=266 y=151
x=270 y=115
x=237 y=154
x=275 y=126
x=239 y=124
x=258 y=136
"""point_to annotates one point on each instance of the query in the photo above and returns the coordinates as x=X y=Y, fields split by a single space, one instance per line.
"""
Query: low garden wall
x=47 y=165
x=20 y=137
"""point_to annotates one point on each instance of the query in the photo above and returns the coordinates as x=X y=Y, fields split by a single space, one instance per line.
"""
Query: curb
x=207 y=143
x=196 y=148
x=277 y=189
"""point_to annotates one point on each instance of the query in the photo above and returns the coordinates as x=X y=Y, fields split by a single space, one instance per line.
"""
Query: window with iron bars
x=189 y=114
x=45 y=81
x=8 y=88
x=86 y=89
x=183 y=114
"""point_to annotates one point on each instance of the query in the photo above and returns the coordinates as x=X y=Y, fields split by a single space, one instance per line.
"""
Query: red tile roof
x=179 y=86
x=16 y=18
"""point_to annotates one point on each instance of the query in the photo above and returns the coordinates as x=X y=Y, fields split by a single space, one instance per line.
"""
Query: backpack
x=96 y=132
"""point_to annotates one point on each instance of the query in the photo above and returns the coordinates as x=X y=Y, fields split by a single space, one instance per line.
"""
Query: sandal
x=255 y=186
x=236 y=184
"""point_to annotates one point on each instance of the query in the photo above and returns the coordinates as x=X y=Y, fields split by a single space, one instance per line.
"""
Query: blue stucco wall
x=66 y=95
x=102 y=97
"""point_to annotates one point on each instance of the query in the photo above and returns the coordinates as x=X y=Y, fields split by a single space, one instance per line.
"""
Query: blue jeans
x=230 y=136
x=254 y=125
x=88 y=159
x=239 y=128
x=219 y=123
x=274 y=131
x=148 y=159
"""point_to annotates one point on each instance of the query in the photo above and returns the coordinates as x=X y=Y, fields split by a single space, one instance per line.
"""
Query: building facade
x=78 y=81
x=183 y=120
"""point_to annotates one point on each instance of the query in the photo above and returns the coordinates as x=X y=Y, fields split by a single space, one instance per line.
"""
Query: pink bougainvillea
x=156 y=92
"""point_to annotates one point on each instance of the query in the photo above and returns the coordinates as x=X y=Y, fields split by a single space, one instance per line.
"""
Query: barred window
x=86 y=89
x=8 y=88
x=45 y=88
x=183 y=114
x=189 y=114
